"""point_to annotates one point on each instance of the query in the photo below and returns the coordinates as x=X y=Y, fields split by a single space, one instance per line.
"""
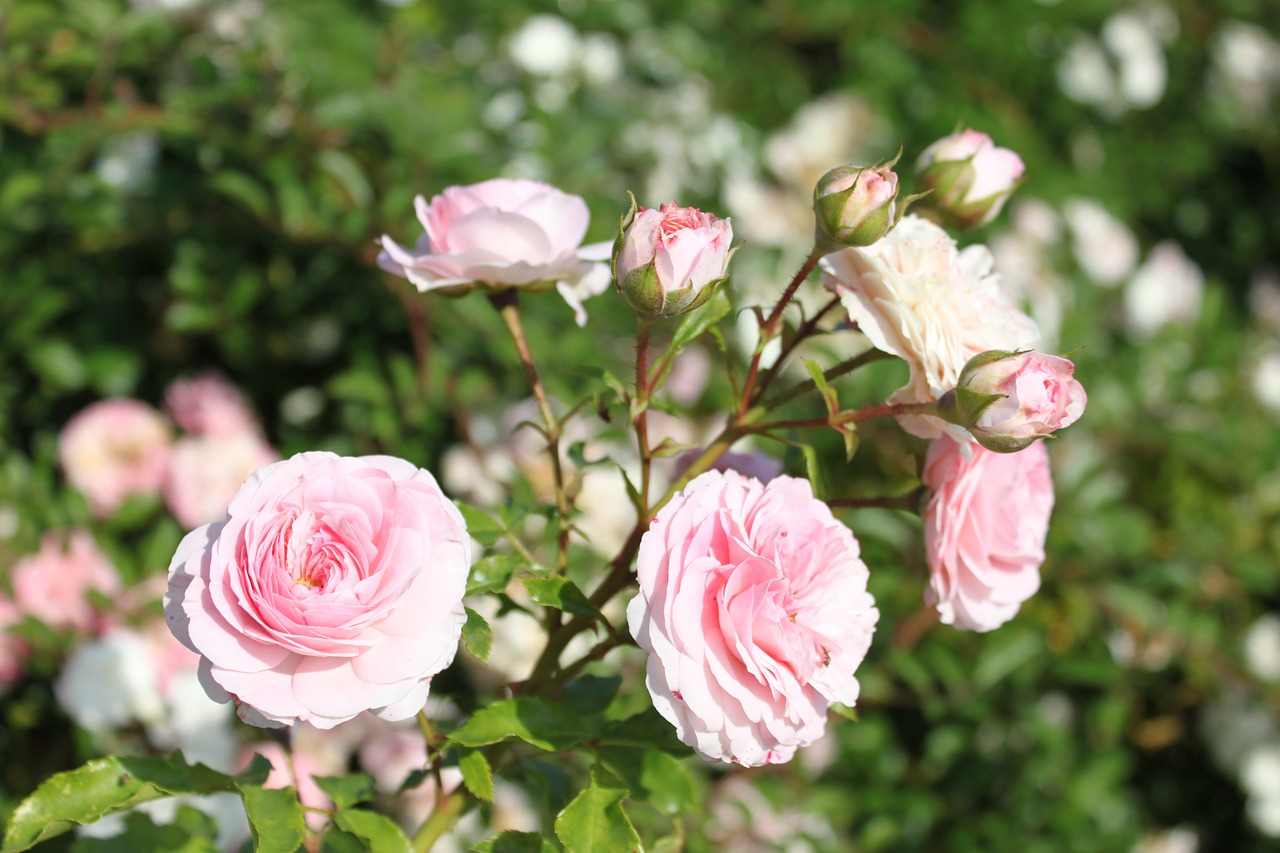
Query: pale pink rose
x=984 y=531
x=114 y=449
x=209 y=405
x=53 y=585
x=970 y=177
x=915 y=295
x=856 y=206
x=753 y=607
x=499 y=234
x=296 y=769
x=1040 y=396
x=206 y=471
x=333 y=586
x=668 y=259
x=14 y=651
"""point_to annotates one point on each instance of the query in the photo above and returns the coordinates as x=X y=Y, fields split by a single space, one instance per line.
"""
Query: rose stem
x=856 y=416
x=643 y=329
x=441 y=818
x=830 y=373
x=806 y=329
x=507 y=303
x=771 y=325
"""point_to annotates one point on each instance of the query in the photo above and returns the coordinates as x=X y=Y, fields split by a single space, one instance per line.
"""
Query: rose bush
x=499 y=234
x=916 y=295
x=334 y=585
x=753 y=607
x=984 y=531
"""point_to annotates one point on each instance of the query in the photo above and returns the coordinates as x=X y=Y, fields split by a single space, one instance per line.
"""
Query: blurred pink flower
x=13 y=649
x=53 y=585
x=113 y=449
x=333 y=586
x=206 y=471
x=297 y=770
x=753 y=607
x=209 y=405
x=984 y=531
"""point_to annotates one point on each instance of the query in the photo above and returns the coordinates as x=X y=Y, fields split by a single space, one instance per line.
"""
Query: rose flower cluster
x=334 y=585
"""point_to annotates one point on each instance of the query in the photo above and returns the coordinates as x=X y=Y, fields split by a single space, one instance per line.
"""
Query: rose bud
x=857 y=205
x=970 y=177
x=670 y=260
x=1009 y=399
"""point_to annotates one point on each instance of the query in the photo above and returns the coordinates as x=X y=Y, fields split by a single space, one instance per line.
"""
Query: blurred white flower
x=1246 y=67
x=1126 y=69
x=1265 y=379
x=1262 y=647
x=545 y=46
x=1104 y=246
x=111 y=682
x=600 y=59
x=128 y=162
x=1168 y=288
x=1180 y=839
x=1027 y=273
x=1264 y=299
x=1142 y=68
x=1260 y=779
x=1232 y=725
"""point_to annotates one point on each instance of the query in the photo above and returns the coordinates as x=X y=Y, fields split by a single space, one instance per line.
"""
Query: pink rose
x=206 y=471
x=499 y=234
x=916 y=295
x=668 y=261
x=209 y=405
x=1009 y=399
x=54 y=584
x=333 y=586
x=14 y=651
x=970 y=177
x=113 y=449
x=984 y=531
x=753 y=607
x=856 y=206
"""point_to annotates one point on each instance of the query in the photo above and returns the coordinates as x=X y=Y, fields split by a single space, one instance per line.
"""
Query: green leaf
x=347 y=791
x=275 y=817
x=477 y=634
x=562 y=594
x=595 y=822
x=510 y=841
x=820 y=382
x=842 y=710
x=477 y=775
x=240 y=187
x=591 y=694
x=480 y=525
x=343 y=168
x=655 y=777
x=648 y=729
x=492 y=574
x=82 y=796
x=698 y=321
x=378 y=831
x=531 y=719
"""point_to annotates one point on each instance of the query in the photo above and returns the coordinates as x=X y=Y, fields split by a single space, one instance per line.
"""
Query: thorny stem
x=830 y=373
x=643 y=331
x=507 y=303
x=771 y=326
x=805 y=330
x=856 y=416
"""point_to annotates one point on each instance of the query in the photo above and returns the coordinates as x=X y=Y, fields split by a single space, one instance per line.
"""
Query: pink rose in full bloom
x=53 y=585
x=1009 y=399
x=753 y=607
x=334 y=585
x=984 y=531
x=668 y=261
x=970 y=176
x=916 y=295
x=206 y=471
x=499 y=234
x=113 y=449
x=209 y=405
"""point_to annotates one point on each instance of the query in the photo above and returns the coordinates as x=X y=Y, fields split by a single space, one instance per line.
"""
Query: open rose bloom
x=334 y=585
x=984 y=531
x=753 y=607
x=502 y=233
x=916 y=295
x=114 y=449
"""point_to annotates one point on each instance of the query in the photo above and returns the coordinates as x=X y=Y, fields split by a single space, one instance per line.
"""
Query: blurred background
x=196 y=186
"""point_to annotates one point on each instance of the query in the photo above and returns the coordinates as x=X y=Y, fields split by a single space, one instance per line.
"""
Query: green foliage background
x=279 y=153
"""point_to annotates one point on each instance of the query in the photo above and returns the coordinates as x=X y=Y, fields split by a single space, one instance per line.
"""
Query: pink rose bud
x=970 y=177
x=857 y=205
x=670 y=260
x=1009 y=399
